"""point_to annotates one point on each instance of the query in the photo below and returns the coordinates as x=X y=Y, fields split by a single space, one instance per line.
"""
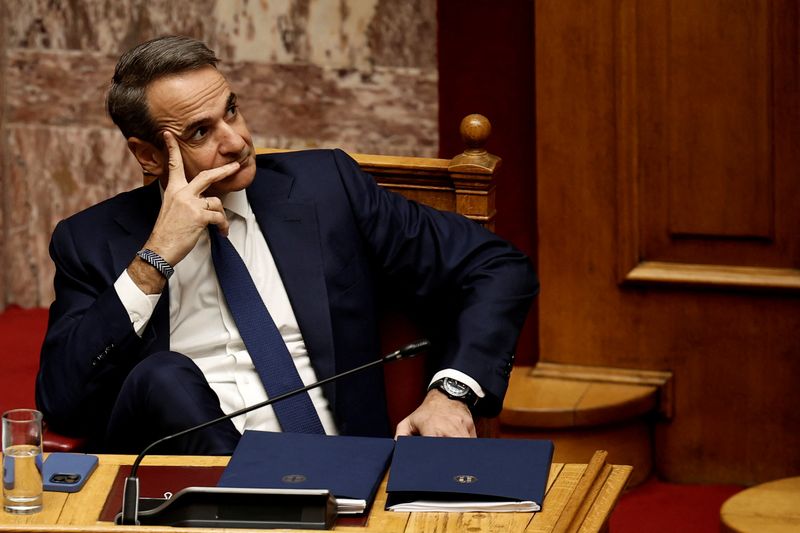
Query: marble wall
x=358 y=74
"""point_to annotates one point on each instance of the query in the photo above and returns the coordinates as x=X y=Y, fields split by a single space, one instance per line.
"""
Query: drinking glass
x=22 y=461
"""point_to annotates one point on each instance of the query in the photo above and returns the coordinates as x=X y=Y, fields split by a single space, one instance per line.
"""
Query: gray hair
x=141 y=66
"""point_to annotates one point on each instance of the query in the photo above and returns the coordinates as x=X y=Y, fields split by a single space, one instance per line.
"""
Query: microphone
x=130 y=493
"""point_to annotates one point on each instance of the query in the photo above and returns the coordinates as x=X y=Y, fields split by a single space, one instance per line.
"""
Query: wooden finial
x=475 y=130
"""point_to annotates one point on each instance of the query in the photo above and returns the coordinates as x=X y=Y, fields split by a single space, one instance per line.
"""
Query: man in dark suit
x=141 y=341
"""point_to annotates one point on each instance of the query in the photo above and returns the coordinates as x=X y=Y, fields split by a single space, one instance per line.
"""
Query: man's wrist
x=460 y=376
x=456 y=390
x=146 y=277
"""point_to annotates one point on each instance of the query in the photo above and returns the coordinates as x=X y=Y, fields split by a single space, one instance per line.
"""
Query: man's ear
x=152 y=160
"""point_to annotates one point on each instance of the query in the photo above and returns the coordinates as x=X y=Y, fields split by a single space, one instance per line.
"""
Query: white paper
x=432 y=506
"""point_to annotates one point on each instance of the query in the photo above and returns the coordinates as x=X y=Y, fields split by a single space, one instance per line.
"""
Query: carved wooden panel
x=706 y=101
x=668 y=145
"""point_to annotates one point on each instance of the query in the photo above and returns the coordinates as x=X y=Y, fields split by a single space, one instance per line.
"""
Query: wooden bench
x=583 y=408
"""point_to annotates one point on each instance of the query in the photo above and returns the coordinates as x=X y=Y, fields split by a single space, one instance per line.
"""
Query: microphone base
x=217 y=507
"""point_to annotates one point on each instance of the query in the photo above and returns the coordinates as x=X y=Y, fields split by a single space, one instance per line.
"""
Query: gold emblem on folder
x=293 y=478
x=465 y=479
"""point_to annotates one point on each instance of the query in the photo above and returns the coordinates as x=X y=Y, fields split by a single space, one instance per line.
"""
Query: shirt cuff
x=139 y=305
x=459 y=376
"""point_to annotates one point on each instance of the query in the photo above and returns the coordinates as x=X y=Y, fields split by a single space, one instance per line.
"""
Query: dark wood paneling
x=706 y=95
x=718 y=101
x=611 y=136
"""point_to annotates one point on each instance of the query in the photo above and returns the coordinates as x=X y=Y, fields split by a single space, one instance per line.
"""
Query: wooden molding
x=627 y=170
x=586 y=490
x=658 y=272
x=660 y=379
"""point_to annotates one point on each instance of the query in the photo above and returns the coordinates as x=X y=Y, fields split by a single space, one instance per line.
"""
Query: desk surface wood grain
x=772 y=507
x=579 y=499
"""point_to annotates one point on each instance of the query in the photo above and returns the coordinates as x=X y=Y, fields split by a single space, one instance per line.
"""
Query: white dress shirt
x=202 y=328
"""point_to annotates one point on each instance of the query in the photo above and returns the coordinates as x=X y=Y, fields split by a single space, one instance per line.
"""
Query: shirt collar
x=236 y=202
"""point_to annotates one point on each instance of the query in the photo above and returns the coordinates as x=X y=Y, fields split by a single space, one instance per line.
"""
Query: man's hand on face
x=438 y=416
x=185 y=214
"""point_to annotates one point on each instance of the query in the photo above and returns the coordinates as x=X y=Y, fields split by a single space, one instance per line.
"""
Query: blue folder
x=351 y=468
x=451 y=474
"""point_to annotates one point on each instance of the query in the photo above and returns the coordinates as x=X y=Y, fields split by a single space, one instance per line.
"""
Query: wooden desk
x=772 y=507
x=579 y=498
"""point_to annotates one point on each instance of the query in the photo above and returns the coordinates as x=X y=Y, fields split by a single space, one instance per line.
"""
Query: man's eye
x=232 y=111
x=199 y=133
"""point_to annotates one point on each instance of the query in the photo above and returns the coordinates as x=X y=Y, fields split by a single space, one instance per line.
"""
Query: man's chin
x=235 y=182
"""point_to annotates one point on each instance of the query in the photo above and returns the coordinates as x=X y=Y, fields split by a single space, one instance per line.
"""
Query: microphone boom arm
x=130 y=494
x=405 y=352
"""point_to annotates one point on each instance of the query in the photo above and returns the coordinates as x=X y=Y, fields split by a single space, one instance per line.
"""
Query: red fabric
x=21 y=333
x=658 y=507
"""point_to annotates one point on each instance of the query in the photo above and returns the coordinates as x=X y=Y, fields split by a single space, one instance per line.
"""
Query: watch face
x=455 y=388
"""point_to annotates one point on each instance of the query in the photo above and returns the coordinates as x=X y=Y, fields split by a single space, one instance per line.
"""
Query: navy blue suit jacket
x=338 y=240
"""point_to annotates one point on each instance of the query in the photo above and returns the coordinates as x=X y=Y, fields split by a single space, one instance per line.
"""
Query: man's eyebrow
x=192 y=126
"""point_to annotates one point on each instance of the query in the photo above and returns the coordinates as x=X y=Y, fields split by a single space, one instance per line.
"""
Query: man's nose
x=231 y=141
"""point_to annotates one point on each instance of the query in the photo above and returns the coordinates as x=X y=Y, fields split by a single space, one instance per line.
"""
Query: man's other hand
x=438 y=416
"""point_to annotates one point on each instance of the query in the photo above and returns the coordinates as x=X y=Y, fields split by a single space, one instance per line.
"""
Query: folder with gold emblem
x=351 y=468
x=468 y=475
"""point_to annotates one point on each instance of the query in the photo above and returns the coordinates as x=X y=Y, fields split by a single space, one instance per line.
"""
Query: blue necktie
x=272 y=360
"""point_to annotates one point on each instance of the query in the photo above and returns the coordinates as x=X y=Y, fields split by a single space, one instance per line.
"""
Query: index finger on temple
x=176 y=173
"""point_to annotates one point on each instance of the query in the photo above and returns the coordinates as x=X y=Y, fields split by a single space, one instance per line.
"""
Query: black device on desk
x=241 y=508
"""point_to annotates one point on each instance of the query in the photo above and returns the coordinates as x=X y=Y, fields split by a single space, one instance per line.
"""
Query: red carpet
x=658 y=507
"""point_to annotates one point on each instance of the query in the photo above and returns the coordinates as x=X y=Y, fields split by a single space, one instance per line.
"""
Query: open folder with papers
x=465 y=475
x=351 y=468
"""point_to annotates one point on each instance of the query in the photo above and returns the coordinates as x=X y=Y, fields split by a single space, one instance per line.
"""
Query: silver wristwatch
x=456 y=390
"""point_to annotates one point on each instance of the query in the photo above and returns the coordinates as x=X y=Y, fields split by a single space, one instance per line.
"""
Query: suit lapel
x=136 y=219
x=291 y=230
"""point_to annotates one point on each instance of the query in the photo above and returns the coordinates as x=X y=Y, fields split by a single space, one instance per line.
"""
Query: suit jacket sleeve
x=488 y=284
x=86 y=352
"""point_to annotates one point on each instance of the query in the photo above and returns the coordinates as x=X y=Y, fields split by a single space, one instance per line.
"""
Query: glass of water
x=22 y=461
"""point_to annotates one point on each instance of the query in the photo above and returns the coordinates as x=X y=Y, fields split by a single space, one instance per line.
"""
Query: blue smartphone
x=67 y=472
